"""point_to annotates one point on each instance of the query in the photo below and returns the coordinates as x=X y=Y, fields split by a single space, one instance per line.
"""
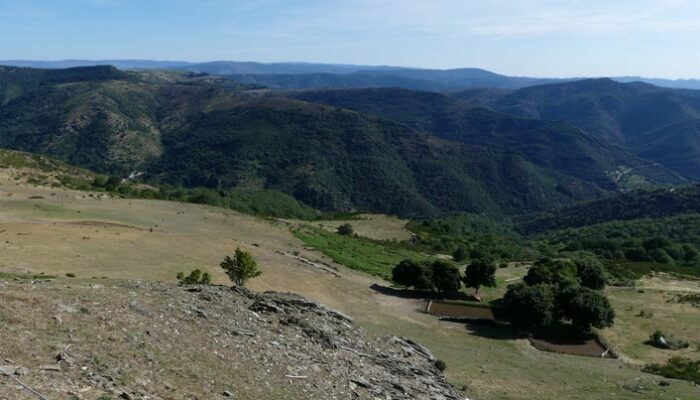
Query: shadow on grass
x=491 y=330
x=564 y=335
x=420 y=294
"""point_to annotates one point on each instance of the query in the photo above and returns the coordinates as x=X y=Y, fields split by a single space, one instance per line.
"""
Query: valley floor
x=57 y=231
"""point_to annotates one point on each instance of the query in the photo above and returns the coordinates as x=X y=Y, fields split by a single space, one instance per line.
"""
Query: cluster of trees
x=670 y=240
x=442 y=276
x=639 y=204
x=657 y=249
x=469 y=236
x=438 y=275
x=556 y=290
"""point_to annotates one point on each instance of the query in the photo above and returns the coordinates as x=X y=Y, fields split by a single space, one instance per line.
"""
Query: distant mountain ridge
x=384 y=150
x=302 y=75
x=658 y=124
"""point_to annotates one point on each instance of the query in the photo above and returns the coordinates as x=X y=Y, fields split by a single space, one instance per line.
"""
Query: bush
x=460 y=254
x=241 y=267
x=196 y=277
x=346 y=230
x=112 y=183
x=439 y=364
x=677 y=368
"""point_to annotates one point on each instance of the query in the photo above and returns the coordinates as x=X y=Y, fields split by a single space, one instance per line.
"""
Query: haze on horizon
x=555 y=38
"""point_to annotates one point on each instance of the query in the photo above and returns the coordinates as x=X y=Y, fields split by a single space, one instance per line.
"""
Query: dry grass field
x=643 y=310
x=373 y=226
x=57 y=231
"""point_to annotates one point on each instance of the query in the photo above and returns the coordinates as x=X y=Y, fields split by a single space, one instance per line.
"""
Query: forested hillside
x=625 y=206
x=552 y=145
x=385 y=150
x=655 y=123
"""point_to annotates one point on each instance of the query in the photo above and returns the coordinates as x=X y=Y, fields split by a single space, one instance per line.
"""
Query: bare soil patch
x=589 y=346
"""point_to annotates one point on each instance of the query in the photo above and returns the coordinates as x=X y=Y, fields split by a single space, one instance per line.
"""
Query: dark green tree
x=590 y=273
x=112 y=183
x=529 y=307
x=551 y=272
x=346 y=230
x=414 y=274
x=480 y=272
x=446 y=277
x=587 y=307
x=460 y=254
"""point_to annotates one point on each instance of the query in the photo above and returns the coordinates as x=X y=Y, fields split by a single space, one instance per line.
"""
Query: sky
x=554 y=38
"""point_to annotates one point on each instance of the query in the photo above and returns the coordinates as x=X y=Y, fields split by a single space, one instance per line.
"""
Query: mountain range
x=301 y=75
x=399 y=151
x=658 y=124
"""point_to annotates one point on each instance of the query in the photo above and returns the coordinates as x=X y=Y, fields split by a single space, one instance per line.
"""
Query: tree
x=241 y=267
x=551 y=272
x=99 y=181
x=587 y=307
x=346 y=230
x=460 y=254
x=196 y=277
x=410 y=273
x=529 y=307
x=446 y=277
x=480 y=272
x=590 y=273
x=112 y=183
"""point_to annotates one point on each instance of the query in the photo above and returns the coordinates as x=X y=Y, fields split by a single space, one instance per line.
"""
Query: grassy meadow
x=61 y=231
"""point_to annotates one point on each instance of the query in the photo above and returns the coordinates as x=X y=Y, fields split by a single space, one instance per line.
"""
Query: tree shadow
x=564 y=334
x=492 y=330
x=421 y=294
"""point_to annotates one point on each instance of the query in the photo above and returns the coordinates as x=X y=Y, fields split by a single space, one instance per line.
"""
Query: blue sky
x=657 y=38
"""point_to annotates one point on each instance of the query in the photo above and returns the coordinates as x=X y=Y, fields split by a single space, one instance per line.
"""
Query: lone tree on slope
x=241 y=267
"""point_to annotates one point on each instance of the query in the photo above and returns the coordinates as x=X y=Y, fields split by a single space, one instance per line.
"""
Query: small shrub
x=196 y=277
x=677 y=368
x=346 y=230
x=439 y=364
x=70 y=275
x=460 y=254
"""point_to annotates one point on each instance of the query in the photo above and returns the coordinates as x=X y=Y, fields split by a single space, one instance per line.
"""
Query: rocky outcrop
x=137 y=340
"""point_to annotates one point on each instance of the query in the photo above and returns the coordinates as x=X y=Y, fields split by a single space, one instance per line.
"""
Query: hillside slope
x=427 y=153
x=551 y=145
x=655 y=123
x=624 y=206
x=206 y=342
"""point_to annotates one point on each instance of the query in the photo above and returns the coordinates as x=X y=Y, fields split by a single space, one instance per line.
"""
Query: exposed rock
x=153 y=340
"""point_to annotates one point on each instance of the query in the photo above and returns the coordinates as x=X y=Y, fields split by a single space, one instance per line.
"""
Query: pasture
x=61 y=231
